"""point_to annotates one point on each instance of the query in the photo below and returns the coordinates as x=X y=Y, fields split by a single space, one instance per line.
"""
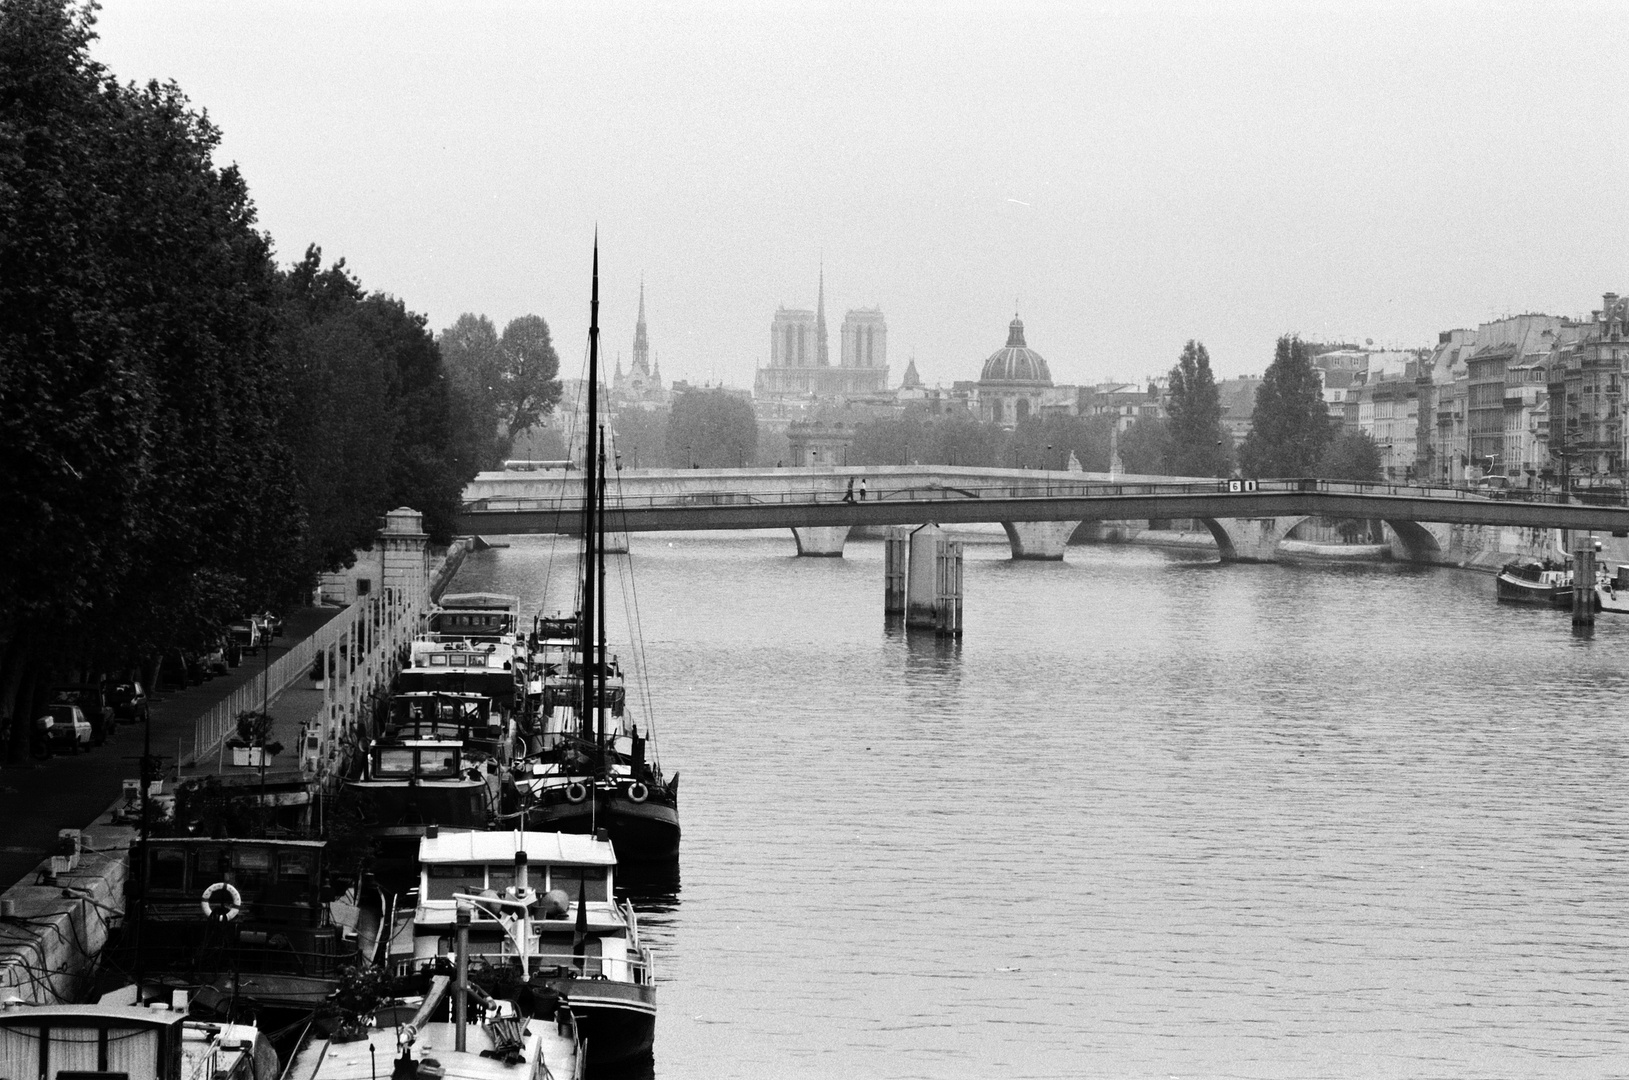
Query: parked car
x=243 y=636
x=180 y=669
x=213 y=660
x=129 y=701
x=64 y=727
x=94 y=702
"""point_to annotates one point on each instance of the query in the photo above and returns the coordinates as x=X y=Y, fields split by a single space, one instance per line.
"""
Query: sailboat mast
x=590 y=489
x=599 y=659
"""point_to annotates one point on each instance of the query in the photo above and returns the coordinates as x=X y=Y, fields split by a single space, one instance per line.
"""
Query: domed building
x=1015 y=381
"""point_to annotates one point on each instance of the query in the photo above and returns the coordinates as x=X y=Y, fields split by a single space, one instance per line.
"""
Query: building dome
x=1016 y=363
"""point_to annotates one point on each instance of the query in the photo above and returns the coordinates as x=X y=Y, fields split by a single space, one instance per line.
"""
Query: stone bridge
x=1039 y=511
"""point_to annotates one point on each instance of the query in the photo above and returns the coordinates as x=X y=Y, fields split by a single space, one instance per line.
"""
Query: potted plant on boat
x=253 y=745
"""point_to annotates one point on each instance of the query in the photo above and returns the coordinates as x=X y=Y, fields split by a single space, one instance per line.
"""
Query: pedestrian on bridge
x=848 y=496
x=862 y=489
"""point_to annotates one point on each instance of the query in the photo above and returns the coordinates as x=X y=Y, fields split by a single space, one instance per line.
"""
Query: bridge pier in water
x=895 y=558
x=1583 y=584
x=923 y=574
x=1039 y=539
x=822 y=542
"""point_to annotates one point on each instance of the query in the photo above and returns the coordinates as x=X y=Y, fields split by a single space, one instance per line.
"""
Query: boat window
x=448 y=878
x=253 y=866
x=438 y=659
x=456 y=660
x=591 y=879
x=438 y=763
x=168 y=869
x=562 y=949
x=212 y=864
x=501 y=877
x=394 y=762
x=294 y=866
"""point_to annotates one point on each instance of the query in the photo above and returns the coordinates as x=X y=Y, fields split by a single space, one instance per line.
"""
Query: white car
x=64 y=727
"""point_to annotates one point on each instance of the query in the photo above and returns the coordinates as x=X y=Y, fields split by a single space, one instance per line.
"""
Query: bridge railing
x=1042 y=487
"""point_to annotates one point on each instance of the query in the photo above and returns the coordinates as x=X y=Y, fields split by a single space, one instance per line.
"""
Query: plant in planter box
x=253 y=734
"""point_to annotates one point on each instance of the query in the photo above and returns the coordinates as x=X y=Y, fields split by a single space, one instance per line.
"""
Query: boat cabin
x=461 y=667
x=215 y=906
x=97 y=1042
x=560 y=885
x=270 y=881
x=474 y=616
x=440 y=716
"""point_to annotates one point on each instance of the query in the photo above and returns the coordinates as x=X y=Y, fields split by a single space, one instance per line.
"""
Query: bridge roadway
x=1038 y=509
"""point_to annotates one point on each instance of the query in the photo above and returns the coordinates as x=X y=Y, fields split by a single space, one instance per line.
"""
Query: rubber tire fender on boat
x=638 y=792
x=576 y=792
x=232 y=909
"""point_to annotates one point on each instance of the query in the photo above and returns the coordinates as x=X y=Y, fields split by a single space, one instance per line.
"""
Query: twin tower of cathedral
x=800 y=355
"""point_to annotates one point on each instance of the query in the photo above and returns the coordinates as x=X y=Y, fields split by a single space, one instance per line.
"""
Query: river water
x=1153 y=816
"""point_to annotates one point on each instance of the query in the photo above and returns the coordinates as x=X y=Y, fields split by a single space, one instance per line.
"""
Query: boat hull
x=1518 y=591
x=617 y=1019
x=641 y=832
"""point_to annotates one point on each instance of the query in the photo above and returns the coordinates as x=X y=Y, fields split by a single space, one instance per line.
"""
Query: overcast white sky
x=1133 y=174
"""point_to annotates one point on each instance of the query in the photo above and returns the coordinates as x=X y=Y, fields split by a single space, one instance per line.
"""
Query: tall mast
x=590 y=490
x=599 y=637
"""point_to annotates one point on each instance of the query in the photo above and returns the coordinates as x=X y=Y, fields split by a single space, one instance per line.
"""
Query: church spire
x=821 y=356
x=641 y=344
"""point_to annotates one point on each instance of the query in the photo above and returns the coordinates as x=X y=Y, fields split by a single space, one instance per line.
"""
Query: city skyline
x=1156 y=174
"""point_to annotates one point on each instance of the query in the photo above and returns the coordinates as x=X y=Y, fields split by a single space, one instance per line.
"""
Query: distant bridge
x=1039 y=510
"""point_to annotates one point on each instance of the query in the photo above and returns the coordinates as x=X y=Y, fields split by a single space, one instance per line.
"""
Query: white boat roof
x=500 y=847
x=479 y=600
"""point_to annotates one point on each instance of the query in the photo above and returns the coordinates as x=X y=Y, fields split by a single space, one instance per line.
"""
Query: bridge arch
x=821 y=542
x=1418 y=542
x=1257 y=539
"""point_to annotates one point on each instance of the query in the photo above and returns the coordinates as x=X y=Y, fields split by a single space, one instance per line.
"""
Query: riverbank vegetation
x=189 y=431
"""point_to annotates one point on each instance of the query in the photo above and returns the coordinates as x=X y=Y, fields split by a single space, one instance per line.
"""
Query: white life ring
x=576 y=792
x=230 y=912
x=638 y=792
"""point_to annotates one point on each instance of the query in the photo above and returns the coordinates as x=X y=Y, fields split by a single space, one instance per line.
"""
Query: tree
x=508 y=382
x=1198 y=444
x=712 y=429
x=1350 y=455
x=527 y=387
x=1046 y=442
x=148 y=494
x=640 y=437
x=1145 y=446
x=1290 y=427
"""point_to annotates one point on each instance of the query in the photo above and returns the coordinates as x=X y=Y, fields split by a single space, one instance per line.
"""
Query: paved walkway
x=38 y=798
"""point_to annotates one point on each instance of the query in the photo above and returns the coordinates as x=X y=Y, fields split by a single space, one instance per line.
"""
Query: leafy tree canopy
x=189 y=433
x=1290 y=427
x=1350 y=455
x=508 y=381
x=1199 y=446
x=1145 y=446
x=712 y=430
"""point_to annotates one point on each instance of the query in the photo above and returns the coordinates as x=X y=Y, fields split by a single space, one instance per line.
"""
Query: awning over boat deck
x=500 y=847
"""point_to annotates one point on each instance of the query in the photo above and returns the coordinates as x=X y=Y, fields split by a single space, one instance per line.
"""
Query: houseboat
x=544 y=914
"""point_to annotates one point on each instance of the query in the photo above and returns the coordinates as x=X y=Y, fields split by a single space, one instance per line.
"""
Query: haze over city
x=1130 y=175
